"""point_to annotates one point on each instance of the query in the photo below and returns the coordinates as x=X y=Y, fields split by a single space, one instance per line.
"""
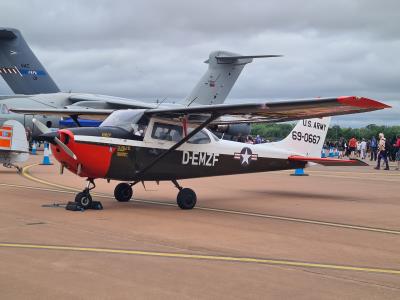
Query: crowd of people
x=376 y=149
x=249 y=139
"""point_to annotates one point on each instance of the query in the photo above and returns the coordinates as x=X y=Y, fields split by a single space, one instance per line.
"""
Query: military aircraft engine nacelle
x=233 y=129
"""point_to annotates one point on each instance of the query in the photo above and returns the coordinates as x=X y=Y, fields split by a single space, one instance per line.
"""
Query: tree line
x=275 y=131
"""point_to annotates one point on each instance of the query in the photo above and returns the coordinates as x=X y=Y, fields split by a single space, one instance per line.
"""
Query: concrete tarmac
x=332 y=235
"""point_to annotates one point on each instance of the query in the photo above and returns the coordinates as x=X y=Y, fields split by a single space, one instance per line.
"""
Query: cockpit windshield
x=4 y=109
x=125 y=119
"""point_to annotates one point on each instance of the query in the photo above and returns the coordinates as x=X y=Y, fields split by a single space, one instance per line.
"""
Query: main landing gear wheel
x=123 y=192
x=186 y=198
x=84 y=199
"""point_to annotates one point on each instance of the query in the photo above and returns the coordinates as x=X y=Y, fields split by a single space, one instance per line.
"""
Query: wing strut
x=75 y=118
x=140 y=173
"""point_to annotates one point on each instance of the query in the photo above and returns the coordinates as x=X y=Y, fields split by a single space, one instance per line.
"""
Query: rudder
x=307 y=137
x=19 y=66
x=223 y=70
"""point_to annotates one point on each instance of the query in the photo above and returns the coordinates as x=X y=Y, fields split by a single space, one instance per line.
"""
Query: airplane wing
x=273 y=111
x=113 y=102
x=7 y=151
x=277 y=111
x=90 y=113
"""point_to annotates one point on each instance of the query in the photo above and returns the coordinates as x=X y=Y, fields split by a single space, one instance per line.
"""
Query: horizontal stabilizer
x=240 y=59
x=6 y=34
x=329 y=161
x=247 y=56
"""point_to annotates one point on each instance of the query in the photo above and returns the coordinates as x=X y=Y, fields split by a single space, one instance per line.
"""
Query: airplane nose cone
x=66 y=137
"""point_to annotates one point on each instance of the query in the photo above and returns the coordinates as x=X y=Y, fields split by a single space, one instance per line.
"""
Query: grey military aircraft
x=36 y=90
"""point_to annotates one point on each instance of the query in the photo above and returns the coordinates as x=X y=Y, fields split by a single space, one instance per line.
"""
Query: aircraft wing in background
x=277 y=111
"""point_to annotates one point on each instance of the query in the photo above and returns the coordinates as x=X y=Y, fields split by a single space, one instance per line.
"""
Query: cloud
x=155 y=49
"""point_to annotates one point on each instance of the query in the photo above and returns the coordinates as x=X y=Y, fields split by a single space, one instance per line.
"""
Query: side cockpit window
x=166 y=132
x=174 y=133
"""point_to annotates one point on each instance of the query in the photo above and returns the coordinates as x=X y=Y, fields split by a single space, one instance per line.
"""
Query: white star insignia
x=245 y=157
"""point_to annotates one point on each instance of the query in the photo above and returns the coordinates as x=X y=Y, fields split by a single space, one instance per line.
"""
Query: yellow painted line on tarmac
x=36 y=188
x=300 y=220
x=378 y=178
x=242 y=213
x=250 y=214
x=205 y=257
x=225 y=211
x=382 y=173
x=25 y=173
x=375 y=179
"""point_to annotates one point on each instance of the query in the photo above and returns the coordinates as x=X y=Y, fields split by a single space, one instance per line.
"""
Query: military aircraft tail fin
x=307 y=137
x=13 y=137
x=223 y=70
x=19 y=66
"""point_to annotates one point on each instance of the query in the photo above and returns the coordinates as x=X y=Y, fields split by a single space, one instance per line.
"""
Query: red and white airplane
x=138 y=145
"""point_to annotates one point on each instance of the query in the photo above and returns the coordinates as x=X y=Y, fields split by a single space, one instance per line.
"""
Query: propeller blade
x=79 y=170
x=42 y=128
x=65 y=148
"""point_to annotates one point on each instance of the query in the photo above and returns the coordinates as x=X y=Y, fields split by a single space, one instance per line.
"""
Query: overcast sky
x=155 y=49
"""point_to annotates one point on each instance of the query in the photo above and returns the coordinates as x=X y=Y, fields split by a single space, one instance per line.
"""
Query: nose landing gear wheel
x=186 y=198
x=84 y=199
x=123 y=192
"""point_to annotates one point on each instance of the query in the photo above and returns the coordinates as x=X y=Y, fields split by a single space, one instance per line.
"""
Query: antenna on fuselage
x=161 y=102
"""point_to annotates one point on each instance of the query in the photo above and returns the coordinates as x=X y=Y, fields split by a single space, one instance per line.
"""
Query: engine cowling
x=242 y=129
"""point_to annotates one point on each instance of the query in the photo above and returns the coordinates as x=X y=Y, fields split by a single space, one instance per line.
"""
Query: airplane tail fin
x=19 y=66
x=223 y=70
x=13 y=137
x=307 y=137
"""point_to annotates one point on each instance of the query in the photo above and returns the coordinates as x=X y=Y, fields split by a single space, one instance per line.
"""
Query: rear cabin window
x=174 y=133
